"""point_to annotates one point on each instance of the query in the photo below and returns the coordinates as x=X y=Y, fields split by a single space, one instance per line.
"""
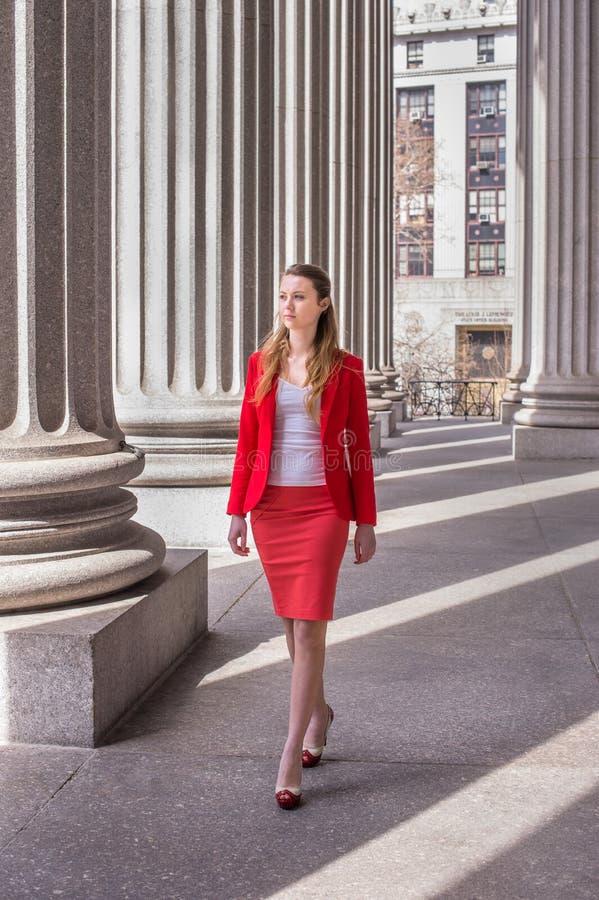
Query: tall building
x=455 y=117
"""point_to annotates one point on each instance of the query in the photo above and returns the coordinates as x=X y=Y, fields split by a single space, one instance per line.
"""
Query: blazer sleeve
x=247 y=444
x=359 y=451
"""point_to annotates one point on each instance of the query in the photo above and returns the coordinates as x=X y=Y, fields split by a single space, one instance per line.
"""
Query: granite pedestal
x=68 y=675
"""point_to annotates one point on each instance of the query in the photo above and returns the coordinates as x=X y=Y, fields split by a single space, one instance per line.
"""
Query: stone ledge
x=387 y=420
x=68 y=675
x=530 y=442
x=375 y=434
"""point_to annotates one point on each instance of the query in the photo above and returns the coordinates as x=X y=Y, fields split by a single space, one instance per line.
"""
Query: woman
x=304 y=469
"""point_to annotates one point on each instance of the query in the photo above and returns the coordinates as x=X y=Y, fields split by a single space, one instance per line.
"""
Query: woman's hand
x=364 y=543
x=238 y=529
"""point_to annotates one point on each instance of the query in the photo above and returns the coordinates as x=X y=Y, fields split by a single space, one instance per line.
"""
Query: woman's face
x=299 y=304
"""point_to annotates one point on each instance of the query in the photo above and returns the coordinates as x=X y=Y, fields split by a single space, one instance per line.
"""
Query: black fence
x=452 y=398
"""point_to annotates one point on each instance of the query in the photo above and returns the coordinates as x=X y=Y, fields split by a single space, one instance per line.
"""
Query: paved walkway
x=464 y=757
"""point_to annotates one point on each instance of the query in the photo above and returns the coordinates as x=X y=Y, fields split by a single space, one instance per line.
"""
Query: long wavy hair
x=325 y=357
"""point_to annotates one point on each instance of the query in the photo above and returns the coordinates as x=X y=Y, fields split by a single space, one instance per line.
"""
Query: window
x=415 y=54
x=486 y=258
x=489 y=150
x=416 y=206
x=472 y=204
x=483 y=96
x=415 y=259
x=414 y=183
x=486 y=49
x=430 y=207
x=490 y=202
x=483 y=351
x=501 y=150
x=420 y=100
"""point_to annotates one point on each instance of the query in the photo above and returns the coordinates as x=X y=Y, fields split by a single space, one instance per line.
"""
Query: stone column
x=384 y=223
x=340 y=115
x=520 y=367
x=240 y=129
x=302 y=145
x=65 y=529
x=560 y=398
x=373 y=38
x=193 y=189
x=333 y=164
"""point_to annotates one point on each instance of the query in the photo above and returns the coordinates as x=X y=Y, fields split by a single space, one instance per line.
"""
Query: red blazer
x=344 y=424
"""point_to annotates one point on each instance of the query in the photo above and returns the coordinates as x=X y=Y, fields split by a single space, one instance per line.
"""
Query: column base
x=401 y=409
x=555 y=443
x=70 y=674
x=173 y=460
x=377 y=404
x=73 y=574
x=375 y=385
x=65 y=529
x=507 y=411
x=386 y=420
x=375 y=434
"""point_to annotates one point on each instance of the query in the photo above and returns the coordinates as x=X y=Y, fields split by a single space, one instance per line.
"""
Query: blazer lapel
x=326 y=402
x=269 y=405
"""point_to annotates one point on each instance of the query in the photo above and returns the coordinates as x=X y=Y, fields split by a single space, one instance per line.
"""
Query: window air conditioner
x=482 y=164
x=415 y=115
x=482 y=58
x=487 y=111
x=484 y=218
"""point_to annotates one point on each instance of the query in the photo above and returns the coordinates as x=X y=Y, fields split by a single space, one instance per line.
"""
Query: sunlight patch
x=400 y=612
x=424 y=448
x=432 y=852
x=484 y=502
x=448 y=467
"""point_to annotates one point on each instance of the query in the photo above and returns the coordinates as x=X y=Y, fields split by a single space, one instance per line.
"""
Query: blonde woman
x=303 y=470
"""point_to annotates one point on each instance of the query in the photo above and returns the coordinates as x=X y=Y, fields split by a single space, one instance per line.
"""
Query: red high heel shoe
x=311 y=756
x=288 y=797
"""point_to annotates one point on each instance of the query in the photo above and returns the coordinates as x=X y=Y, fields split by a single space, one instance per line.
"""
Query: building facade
x=455 y=168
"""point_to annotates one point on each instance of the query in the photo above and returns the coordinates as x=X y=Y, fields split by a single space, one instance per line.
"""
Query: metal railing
x=452 y=398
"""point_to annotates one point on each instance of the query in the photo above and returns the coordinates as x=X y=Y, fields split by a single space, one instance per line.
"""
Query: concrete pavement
x=464 y=757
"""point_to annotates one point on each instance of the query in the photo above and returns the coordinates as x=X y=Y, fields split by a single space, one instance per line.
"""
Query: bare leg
x=318 y=720
x=288 y=623
x=306 y=689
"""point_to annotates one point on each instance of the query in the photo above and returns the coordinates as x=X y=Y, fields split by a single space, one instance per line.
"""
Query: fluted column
x=193 y=189
x=384 y=290
x=341 y=223
x=302 y=151
x=65 y=529
x=333 y=165
x=374 y=38
x=520 y=367
x=560 y=398
x=240 y=134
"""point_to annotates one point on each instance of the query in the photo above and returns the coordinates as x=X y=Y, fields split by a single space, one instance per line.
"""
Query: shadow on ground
x=463 y=761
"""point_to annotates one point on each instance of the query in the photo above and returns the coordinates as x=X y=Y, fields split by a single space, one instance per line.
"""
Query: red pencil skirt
x=300 y=539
